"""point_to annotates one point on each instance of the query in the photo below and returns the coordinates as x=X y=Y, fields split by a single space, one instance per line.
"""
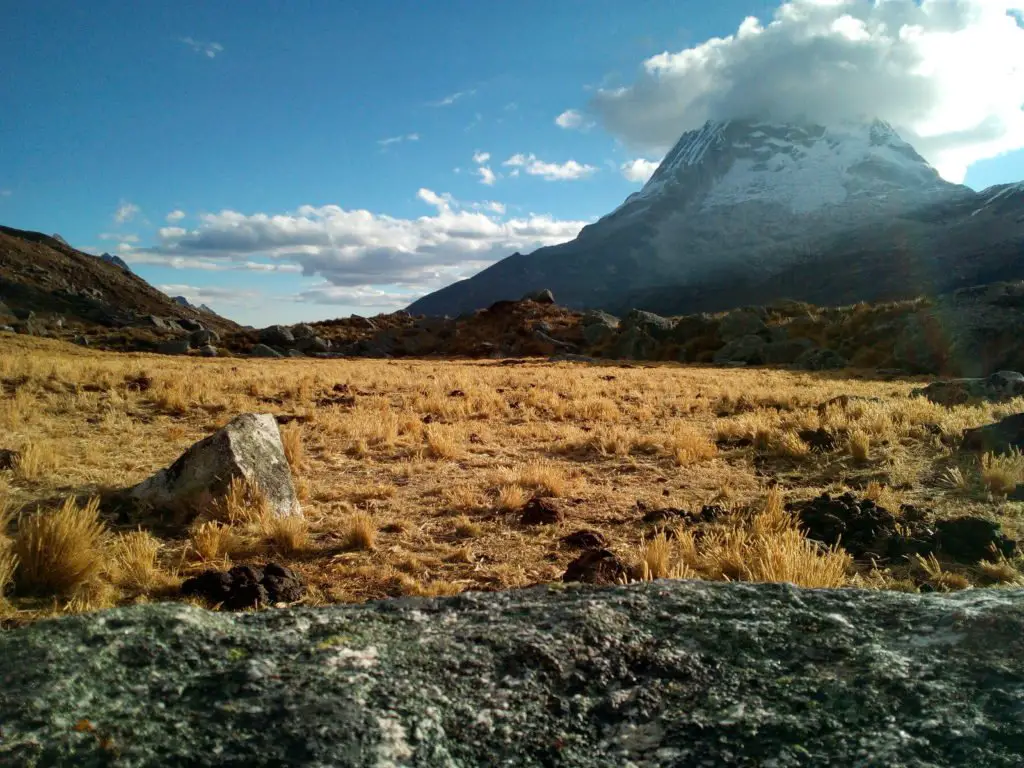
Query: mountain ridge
x=744 y=202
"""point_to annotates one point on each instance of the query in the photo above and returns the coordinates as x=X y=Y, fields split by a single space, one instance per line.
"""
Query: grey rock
x=313 y=345
x=670 y=673
x=248 y=447
x=277 y=336
x=746 y=349
x=174 y=347
x=541 y=297
x=821 y=360
x=363 y=322
x=190 y=325
x=597 y=334
x=741 y=322
x=7 y=328
x=556 y=343
x=262 y=350
x=655 y=326
x=786 y=352
x=25 y=315
x=997 y=388
x=295 y=353
x=1003 y=436
x=597 y=317
x=202 y=337
x=303 y=331
x=82 y=341
x=634 y=344
x=208 y=350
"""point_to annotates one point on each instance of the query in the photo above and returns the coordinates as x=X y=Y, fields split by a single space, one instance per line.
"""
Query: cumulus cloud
x=948 y=74
x=358 y=248
x=398 y=139
x=126 y=212
x=573 y=119
x=481 y=157
x=207 y=49
x=176 y=215
x=639 y=170
x=200 y=294
x=568 y=171
x=374 y=298
x=487 y=176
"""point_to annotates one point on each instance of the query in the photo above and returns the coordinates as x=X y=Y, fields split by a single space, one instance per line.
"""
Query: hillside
x=71 y=291
x=747 y=212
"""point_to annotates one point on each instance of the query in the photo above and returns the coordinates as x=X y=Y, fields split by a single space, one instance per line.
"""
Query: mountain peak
x=802 y=167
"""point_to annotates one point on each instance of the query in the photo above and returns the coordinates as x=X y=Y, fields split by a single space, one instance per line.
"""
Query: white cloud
x=398 y=139
x=357 y=248
x=374 y=298
x=175 y=215
x=123 y=238
x=568 y=171
x=572 y=119
x=494 y=207
x=948 y=74
x=204 y=294
x=208 y=49
x=487 y=176
x=126 y=212
x=639 y=170
x=481 y=157
x=447 y=101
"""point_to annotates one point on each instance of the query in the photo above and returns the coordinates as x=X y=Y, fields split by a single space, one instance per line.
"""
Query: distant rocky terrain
x=667 y=673
x=749 y=212
x=49 y=288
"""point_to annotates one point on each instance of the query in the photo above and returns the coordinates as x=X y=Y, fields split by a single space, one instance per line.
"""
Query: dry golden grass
x=37 y=459
x=134 y=558
x=1002 y=474
x=59 y=551
x=8 y=565
x=213 y=541
x=361 y=532
x=424 y=457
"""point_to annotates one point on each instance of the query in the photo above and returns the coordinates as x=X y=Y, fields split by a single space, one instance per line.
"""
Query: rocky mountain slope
x=667 y=673
x=46 y=286
x=745 y=212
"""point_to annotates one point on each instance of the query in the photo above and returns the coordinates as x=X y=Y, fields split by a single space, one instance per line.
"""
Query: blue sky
x=285 y=162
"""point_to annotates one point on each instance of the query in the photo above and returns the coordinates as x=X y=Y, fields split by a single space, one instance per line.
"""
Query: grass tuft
x=361 y=533
x=59 y=551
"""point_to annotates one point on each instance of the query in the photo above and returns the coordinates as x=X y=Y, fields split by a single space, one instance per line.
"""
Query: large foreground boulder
x=249 y=447
x=662 y=674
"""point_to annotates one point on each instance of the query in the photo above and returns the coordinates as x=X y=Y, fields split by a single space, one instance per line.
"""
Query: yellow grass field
x=411 y=472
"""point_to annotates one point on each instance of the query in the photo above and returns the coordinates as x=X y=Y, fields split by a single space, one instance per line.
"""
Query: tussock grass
x=294 y=449
x=59 y=551
x=1002 y=474
x=361 y=533
x=134 y=557
x=288 y=535
x=467 y=529
x=213 y=541
x=860 y=446
x=36 y=461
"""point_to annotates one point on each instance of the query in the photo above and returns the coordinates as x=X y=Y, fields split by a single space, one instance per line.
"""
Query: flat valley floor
x=413 y=473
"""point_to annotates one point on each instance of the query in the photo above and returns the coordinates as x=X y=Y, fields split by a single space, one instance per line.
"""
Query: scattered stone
x=7 y=328
x=208 y=350
x=1003 y=436
x=820 y=440
x=366 y=323
x=655 y=326
x=820 y=360
x=295 y=353
x=556 y=343
x=303 y=331
x=596 y=566
x=748 y=350
x=175 y=347
x=740 y=323
x=997 y=388
x=276 y=336
x=540 y=511
x=8 y=459
x=246 y=586
x=973 y=539
x=262 y=350
x=81 y=341
x=248 y=447
x=202 y=337
x=190 y=325
x=313 y=345
x=786 y=352
x=585 y=539
x=634 y=344
x=541 y=297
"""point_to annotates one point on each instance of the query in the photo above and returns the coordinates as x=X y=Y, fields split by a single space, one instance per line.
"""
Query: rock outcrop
x=662 y=674
x=249 y=447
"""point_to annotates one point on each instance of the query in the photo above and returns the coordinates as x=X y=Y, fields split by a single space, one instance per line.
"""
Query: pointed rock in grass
x=249 y=447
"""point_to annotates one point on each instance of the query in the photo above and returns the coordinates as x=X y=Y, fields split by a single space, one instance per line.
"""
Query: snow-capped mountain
x=737 y=206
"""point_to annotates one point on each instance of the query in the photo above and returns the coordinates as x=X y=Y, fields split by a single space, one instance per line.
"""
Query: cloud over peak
x=948 y=74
